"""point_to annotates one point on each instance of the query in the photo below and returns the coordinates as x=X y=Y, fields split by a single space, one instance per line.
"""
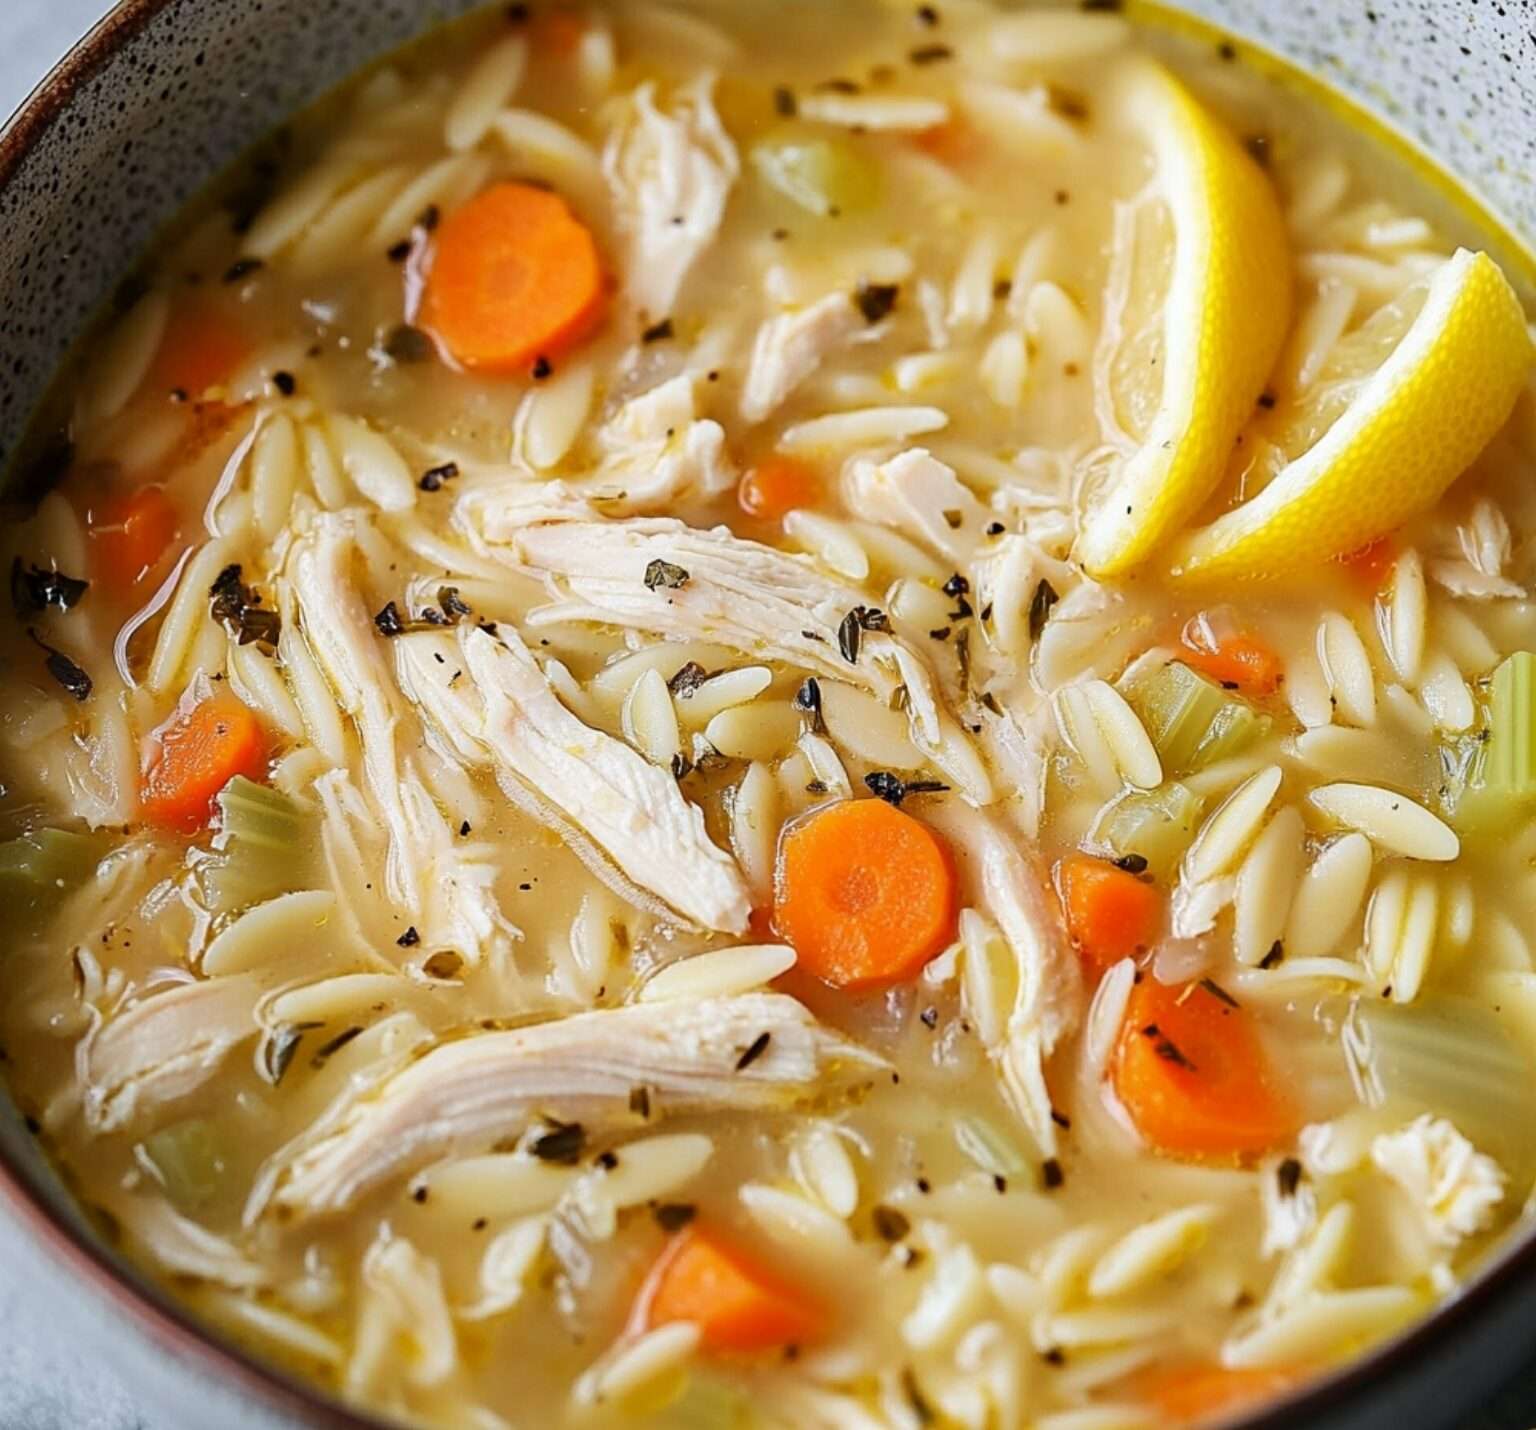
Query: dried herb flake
x=674 y=1216
x=1040 y=607
x=755 y=1050
x=875 y=300
x=666 y=575
x=563 y=1143
x=33 y=589
x=63 y=669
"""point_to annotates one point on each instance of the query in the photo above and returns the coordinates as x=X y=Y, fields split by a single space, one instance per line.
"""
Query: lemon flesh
x=1200 y=301
x=1363 y=450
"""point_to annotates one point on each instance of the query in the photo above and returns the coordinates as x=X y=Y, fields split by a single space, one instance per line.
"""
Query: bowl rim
x=175 y=1329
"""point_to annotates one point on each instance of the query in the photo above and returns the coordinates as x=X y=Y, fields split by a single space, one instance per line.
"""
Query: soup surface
x=799 y=715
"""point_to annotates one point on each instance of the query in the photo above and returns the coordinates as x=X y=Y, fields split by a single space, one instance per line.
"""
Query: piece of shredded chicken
x=602 y=796
x=444 y=890
x=920 y=497
x=670 y=172
x=749 y=1052
x=767 y=603
x=656 y=450
x=163 y=1047
x=1455 y=1187
x=790 y=347
x=668 y=579
x=998 y=879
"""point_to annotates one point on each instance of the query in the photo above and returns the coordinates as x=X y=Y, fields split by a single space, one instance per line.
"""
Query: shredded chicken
x=1475 y=566
x=768 y=604
x=1002 y=883
x=764 y=602
x=752 y=1052
x=404 y=1321
x=427 y=873
x=922 y=498
x=657 y=450
x=790 y=347
x=670 y=174
x=1454 y=1186
x=182 y=1247
x=593 y=788
x=164 y=1047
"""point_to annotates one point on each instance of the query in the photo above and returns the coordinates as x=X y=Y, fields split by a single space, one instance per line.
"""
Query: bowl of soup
x=788 y=715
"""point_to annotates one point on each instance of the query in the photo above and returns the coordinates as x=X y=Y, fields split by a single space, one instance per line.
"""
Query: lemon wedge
x=1198 y=306
x=1398 y=411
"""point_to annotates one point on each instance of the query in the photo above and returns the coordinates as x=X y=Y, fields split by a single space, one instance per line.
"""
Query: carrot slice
x=515 y=277
x=1190 y=1394
x=1111 y=914
x=558 y=32
x=778 y=486
x=130 y=536
x=1242 y=661
x=1193 y=1075
x=954 y=142
x=200 y=349
x=1369 y=566
x=865 y=893
x=196 y=753
x=737 y=1303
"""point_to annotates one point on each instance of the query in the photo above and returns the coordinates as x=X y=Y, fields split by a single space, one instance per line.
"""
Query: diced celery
x=823 y=175
x=1511 y=760
x=990 y=1149
x=1448 y=1056
x=38 y=869
x=1192 y=721
x=189 y=1160
x=258 y=850
x=707 y=1404
x=1158 y=824
x=1492 y=778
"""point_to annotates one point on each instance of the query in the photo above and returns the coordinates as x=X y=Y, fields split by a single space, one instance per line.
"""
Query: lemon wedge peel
x=1416 y=424
x=1225 y=318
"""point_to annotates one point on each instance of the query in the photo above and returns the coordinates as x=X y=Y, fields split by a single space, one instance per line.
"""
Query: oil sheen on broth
x=609 y=823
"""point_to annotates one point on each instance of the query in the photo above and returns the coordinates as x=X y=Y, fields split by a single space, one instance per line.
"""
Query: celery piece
x=1449 y=1056
x=990 y=1149
x=707 y=1404
x=38 y=869
x=258 y=849
x=1491 y=779
x=823 y=175
x=1511 y=761
x=1158 y=824
x=1192 y=721
x=189 y=1160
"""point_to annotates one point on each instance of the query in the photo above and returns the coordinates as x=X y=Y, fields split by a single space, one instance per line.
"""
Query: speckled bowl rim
x=172 y=1328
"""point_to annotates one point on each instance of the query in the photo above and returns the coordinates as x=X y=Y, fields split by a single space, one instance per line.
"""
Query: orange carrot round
x=955 y=142
x=864 y=893
x=737 y=1303
x=515 y=277
x=130 y=536
x=558 y=32
x=777 y=486
x=1192 y=1073
x=1242 y=661
x=195 y=754
x=1368 y=567
x=1111 y=914
x=1193 y=1394
x=201 y=349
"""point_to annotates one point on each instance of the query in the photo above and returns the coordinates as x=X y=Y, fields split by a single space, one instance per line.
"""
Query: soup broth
x=609 y=823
